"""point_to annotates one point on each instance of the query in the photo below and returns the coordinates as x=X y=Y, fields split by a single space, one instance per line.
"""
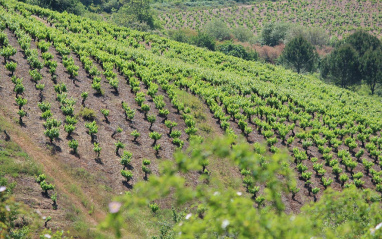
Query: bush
x=217 y=29
x=87 y=114
x=204 y=40
x=180 y=35
x=316 y=36
x=242 y=34
x=274 y=33
x=231 y=49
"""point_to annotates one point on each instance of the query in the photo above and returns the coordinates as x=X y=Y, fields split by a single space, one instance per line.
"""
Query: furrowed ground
x=152 y=86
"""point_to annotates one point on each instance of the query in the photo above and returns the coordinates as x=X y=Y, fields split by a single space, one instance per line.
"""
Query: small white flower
x=378 y=226
x=47 y=236
x=216 y=193
x=372 y=230
x=44 y=217
x=114 y=207
x=239 y=193
x=188 y=216
x=225 y=223
x=3 y=188
x=7 y=208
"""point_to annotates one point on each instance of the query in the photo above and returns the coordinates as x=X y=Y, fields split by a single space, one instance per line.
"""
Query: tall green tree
x=273 y=33
x=355 y=59
x=300 y=55
x=218 y=29
x=342 y=65
x=362 y=41
x=135 y=14
x=371 y=68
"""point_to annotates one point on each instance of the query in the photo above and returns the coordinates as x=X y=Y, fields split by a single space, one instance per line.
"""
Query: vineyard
x=337 y=17
x=110 y=104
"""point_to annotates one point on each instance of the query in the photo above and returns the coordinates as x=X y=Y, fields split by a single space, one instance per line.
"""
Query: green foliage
x=151 y=119
x=371 y=68
x=46 y=186
x=69 y=128
x=119 y=145
x=20 y=101
x=73 y=144
x=231 y=49
x=87 y=114
x=71 y=120
x=11 y=66
x=273 y=33
x=155 y=136
x=52 y=133
x=126 y=158
x=135 y=14
x=97 y=149
x=135 y=134
x=84 y=96
x=7 y=52
x=217 y=29
x=154 y=207
x=105 y=113
x=204 y=40
x=71 y=6
x=92 y=128
x=342 y=65
x=355 y=59
x=128 y=175
x=36 y=75
x=242 y=34
x=300 y=55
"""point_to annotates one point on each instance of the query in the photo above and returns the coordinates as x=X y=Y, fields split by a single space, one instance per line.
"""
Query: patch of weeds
x=86 y=114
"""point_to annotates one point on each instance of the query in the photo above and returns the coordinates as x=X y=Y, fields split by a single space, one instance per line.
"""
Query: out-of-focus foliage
x=228 y=213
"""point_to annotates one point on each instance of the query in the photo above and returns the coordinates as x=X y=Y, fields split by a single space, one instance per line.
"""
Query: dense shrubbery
x=231 y=49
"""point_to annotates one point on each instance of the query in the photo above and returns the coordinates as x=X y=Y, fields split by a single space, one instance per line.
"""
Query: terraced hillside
x=106 y=105
x=337 y=17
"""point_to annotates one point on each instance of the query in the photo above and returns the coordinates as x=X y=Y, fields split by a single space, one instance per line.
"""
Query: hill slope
x=337 y=17
x=143 y=81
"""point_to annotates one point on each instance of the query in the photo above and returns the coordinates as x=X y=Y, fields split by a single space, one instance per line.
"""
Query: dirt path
x=53 y=169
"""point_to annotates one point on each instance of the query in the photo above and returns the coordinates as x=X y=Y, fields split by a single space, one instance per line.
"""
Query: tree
x=273 y=33
x=242 y=34
x=231 y=49
x=71 y=6
x=135 y=14
x=371 y=68
x=218 y=29
x=342 y=65
x=300 y=54
x=204 y=40
x=362 y=41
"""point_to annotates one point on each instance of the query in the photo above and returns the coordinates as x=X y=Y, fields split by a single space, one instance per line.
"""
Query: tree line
x=355 y=60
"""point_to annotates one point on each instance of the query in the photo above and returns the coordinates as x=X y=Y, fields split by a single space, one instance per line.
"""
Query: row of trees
x=356 y=60
x=216 y=32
